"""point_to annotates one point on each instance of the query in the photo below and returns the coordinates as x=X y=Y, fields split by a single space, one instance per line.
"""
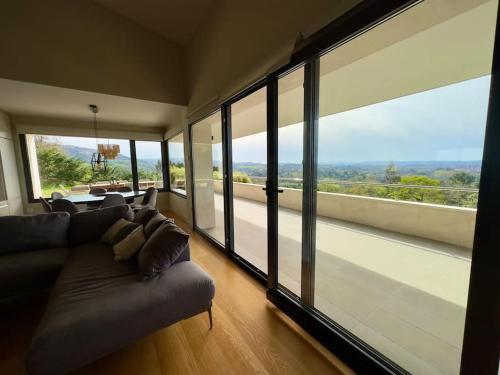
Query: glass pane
x=207 y=171
x=401 y=131
x=176 y=166
x=249 y=145
x=149 y=165
x=290 y=153
x=62 y=164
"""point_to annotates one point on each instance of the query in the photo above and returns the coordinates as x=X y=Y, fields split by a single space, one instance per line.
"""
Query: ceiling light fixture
x=98 y=162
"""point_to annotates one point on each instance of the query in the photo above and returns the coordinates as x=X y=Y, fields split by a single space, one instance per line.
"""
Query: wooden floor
x=250 y=335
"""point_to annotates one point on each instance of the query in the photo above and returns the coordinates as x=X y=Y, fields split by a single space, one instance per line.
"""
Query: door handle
x=274 y=190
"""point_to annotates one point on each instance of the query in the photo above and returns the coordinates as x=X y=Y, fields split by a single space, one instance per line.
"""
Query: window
x=149 y=164
x=400 y=143
x=206 y=143
x=249 y=164
x=58 y=163
x=377 y=154
x=176 y=165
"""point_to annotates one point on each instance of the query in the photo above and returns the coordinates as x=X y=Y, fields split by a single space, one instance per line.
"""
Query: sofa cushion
x=144 y=215
x=99 y=306
x=130 y=245
x=89 y=226
x=29 y=271
x=28 y=233
x=162 y=249
x=113 y=230
x=153 y=224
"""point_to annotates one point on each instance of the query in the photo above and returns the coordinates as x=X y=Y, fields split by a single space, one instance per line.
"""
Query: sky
x=443 y=124
x=144 y=150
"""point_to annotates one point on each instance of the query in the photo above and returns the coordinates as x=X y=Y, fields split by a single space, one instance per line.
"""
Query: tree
x=428 y=195
x=391 y=174
x=462 y=179
x=241 y=177
x=57 y=168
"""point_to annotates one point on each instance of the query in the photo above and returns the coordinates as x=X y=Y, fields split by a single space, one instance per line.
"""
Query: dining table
x=89 y=198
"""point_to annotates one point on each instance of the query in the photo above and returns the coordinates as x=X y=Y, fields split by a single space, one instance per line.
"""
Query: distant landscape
x=452 y=183
x=63 y=166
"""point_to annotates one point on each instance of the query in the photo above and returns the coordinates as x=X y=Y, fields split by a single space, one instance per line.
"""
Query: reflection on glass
x=149 y=165
x=290 y=153
x=248 y=124
x=207 y=171
x=62 y=164
x=176 y=165
x=401 y=132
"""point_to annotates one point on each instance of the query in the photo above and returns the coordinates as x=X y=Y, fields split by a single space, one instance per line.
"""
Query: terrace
x=401 y=293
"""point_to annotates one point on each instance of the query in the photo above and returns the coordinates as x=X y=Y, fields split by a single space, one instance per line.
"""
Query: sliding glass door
x=249 y=172
x=290 y=179
x=380 y=145
x=208 y=187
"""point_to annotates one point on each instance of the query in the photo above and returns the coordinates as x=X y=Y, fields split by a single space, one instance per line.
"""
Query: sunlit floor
x=403 y=295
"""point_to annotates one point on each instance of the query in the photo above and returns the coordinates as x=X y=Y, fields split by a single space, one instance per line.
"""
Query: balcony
x=394 y=273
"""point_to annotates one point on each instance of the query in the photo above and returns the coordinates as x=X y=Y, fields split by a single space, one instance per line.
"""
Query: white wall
x=81 y=45
x=14 y=203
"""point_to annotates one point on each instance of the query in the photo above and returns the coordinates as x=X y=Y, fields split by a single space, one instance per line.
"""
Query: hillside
x=85 y=154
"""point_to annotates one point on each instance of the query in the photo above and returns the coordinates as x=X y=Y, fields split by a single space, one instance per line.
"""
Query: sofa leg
x=210 y=317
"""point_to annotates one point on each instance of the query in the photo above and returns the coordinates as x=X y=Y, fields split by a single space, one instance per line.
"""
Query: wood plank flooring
x=250 y=335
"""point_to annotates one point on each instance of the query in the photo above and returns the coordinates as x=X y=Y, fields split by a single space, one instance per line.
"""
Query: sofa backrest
x=28 y=233
x=89 y=226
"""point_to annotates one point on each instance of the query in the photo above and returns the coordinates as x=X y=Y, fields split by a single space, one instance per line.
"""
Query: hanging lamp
x=98 y=162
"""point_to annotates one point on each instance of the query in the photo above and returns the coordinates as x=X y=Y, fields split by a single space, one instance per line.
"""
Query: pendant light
x=98 y=162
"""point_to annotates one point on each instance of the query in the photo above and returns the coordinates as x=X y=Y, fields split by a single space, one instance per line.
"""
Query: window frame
x=167 y=141
x=133 y=164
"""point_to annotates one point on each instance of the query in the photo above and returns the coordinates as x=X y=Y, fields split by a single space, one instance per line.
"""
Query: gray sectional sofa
x=96 y=305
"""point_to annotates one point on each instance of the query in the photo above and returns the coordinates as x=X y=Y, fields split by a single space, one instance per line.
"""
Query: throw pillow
x=131 y=244
x=153 y=224
x=162 y=249
x=89 y=226
x=113 y=230
x=144 y=215
x=118 y=231
x=124 y=232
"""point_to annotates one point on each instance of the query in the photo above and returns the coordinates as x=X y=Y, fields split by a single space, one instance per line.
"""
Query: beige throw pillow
x=113 y=230
x=130 y=245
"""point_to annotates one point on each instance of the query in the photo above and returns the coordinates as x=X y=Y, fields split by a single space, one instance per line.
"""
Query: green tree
x=391 y=174
x=462 y=179
x=427 y=195
x=177 y=173
x=241 y=177
x=55 y=167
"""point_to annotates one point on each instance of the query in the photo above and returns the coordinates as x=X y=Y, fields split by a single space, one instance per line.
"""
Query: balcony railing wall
x=451 y=225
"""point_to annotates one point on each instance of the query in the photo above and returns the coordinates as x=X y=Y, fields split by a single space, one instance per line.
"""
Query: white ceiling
x=30 y=99
x=176 y=20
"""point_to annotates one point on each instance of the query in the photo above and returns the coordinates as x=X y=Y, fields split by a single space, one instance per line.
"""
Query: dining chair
x=113 y=200
x=56 y=195
x=126 y=189
x=64 y=205
x=45 y=204
x=150 y=197
x=95 y=205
